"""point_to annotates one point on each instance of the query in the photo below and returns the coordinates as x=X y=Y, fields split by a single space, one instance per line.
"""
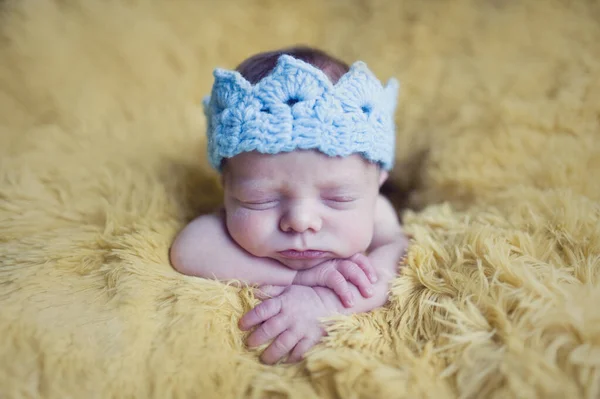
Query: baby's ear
x=383 y=176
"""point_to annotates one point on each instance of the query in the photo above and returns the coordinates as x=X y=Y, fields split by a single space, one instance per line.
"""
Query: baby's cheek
x=248 y=229
x=356 y=232
x=361 y=236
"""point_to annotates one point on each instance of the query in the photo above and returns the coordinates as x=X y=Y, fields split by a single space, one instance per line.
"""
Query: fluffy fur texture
x=103 y=160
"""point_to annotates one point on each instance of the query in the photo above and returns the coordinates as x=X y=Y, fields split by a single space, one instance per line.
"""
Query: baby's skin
x=311 y=231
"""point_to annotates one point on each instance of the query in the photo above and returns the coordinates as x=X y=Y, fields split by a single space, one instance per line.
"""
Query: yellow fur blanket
x=102 y=162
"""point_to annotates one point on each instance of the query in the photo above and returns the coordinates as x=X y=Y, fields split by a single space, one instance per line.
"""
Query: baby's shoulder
x=384 y=208
x=209 y=229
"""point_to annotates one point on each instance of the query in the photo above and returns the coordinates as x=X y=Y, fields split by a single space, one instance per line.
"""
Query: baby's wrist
x=330 y=300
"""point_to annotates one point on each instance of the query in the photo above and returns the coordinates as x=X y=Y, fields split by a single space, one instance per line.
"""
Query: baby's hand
x=291 y=320
x=336 y=273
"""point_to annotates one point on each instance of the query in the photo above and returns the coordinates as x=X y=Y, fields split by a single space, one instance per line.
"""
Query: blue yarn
x=297 y=107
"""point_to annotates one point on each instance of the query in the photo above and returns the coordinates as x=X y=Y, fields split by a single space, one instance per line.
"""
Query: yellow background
x=102 y=161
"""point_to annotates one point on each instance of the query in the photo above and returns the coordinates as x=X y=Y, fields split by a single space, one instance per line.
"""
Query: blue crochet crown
x=297 y=107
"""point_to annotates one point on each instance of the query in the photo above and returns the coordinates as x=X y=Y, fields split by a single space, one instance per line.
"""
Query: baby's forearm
x=257 y=271
x=204 y=249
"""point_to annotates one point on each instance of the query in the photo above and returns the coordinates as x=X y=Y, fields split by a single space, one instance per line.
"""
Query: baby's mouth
x=306 y=254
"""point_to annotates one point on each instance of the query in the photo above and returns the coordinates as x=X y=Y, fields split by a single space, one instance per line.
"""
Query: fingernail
x=373 y=278
x=369 y=291
x=350 y=303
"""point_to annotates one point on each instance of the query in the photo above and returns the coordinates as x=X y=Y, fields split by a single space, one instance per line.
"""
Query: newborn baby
x=303 y=144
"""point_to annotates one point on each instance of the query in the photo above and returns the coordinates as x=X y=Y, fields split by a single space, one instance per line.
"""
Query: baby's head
x=303 y=143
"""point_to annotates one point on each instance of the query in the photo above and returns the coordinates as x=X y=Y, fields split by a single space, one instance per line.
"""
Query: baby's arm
x=205 y=249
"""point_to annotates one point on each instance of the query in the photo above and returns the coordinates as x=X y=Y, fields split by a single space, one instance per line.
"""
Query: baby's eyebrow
x=340 y=185
x=257 y=184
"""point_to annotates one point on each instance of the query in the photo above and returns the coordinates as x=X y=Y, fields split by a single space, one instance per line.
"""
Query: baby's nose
x=300 y=218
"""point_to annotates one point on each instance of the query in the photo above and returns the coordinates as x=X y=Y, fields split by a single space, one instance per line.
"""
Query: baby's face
x=302 y=207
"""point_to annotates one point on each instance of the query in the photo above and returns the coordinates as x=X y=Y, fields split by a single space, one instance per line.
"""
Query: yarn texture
x=297 y=107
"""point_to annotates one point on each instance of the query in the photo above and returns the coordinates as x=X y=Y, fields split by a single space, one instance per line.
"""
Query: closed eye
x=340 y=202
x=341 y=199
x=259 y=205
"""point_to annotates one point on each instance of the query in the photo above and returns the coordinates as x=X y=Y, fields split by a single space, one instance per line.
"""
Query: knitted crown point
x=297 y=107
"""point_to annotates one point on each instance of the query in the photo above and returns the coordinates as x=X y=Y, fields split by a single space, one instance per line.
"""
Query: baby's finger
x=268 y=331
x=365 y=264
x=300 y=349
x=260 y=313
x=356 y=276
x=336 y=281
x=280 y=347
